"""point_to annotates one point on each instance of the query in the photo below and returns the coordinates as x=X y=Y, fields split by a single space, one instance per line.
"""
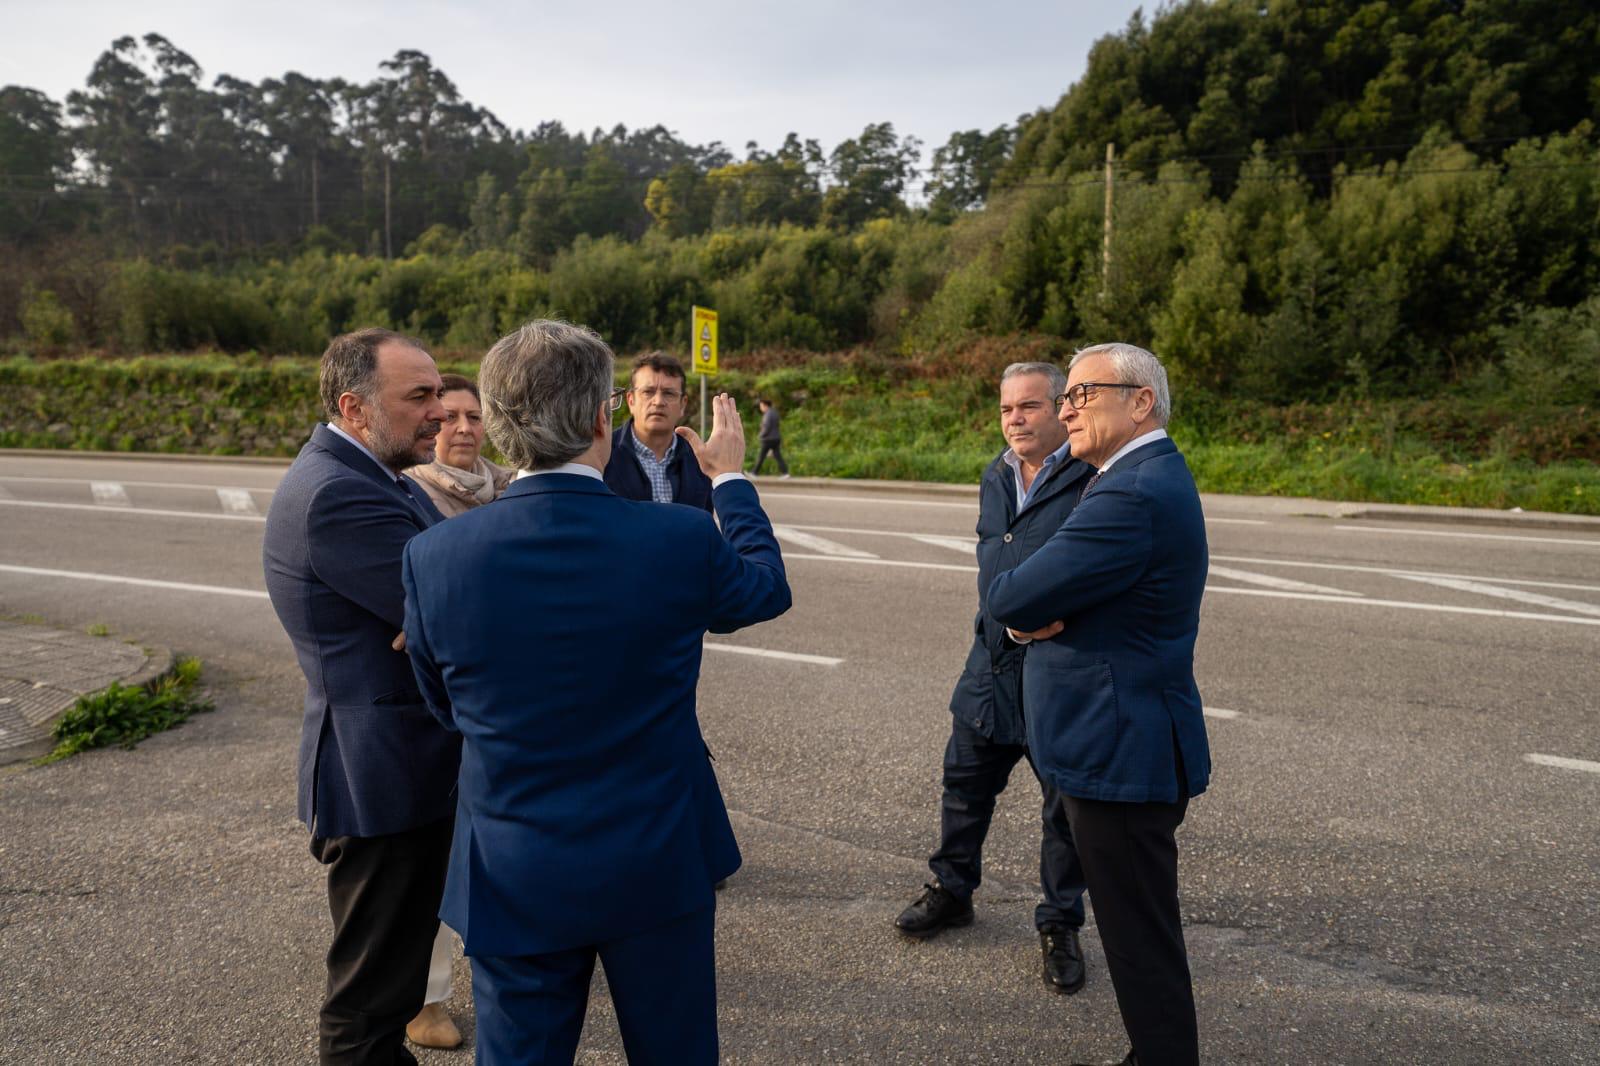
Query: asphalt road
x=1398 y=860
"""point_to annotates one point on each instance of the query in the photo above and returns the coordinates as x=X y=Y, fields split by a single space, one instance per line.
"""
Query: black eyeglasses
x=1079 y=394
x=614 y=401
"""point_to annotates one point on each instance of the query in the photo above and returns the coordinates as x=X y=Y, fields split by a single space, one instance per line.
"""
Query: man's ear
x=351 y=409
x=1144 y=402
x=602 y=423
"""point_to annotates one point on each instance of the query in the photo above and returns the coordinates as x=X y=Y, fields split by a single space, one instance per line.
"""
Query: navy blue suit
x=590 y=822
x=626 y=477
x=1114 y=718
x=377 y=771
x=372 y=759
x=988 y=736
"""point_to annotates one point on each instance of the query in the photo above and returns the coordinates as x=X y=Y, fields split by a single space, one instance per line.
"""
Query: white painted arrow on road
x=1461 y=585
x=1249 y=577
x=811 y=542
x=955 y=544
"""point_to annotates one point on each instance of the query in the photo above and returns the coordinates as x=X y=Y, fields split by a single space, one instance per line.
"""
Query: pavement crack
x=26 y=890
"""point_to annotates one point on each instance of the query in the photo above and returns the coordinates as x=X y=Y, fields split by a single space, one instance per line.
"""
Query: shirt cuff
x=723 y=479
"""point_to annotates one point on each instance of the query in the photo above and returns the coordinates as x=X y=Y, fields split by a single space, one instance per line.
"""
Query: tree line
x=1311 y=200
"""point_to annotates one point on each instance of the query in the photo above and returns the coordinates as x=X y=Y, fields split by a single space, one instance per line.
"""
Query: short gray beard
x=391 y=450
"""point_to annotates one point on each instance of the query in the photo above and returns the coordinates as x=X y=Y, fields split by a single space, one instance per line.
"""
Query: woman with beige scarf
x=458 y=480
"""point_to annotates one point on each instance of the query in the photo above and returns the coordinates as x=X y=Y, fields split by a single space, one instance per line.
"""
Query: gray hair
x=542 y=387
x=1135 y=366
x=350 y=364
x=1054 y=374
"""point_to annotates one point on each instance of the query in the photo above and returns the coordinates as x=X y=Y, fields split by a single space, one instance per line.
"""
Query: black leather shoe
x=932 y=911
x=1063 y=958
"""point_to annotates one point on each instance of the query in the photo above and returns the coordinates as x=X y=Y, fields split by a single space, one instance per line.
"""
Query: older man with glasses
x=647 y=462
x=1112 y=603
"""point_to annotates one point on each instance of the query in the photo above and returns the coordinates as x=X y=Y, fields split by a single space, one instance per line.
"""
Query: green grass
x=864 y=414
x=124 y=714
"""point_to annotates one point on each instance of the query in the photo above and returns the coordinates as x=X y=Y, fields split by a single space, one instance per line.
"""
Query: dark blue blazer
x=588 y=807
x=626 y=477
x=1111 y=693
x=988 y=695
x=372 y=759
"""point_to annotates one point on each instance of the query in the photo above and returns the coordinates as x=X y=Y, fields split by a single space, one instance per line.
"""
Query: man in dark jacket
x=1026 y=494
x=771 y=437
x=647 y=462
x=377 y=771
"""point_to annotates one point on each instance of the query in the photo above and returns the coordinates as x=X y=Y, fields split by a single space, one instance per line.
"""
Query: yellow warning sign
x=705 y=341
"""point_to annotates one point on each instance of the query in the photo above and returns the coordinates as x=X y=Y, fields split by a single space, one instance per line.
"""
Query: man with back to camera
x=1112 y=604
x=1025 y=495
x=590 y=823
x=647 y=462
x=377 y=772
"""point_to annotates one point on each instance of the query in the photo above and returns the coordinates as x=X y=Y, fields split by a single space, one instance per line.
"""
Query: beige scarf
x=471 y=488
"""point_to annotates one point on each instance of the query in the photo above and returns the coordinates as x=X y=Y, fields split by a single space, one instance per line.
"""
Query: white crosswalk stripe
x=1218 y=712
x=1268 y=581
x=110 y=494
x=1461 y=585
x=812 y=542
x=237 y=501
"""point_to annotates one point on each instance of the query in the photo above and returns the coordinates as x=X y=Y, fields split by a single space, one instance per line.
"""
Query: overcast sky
x=711 y=70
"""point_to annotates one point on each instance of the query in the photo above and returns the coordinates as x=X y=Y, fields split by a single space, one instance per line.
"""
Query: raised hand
x=723 y=451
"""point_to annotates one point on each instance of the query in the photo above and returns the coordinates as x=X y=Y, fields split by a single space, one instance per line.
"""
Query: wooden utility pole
x=1105 y=255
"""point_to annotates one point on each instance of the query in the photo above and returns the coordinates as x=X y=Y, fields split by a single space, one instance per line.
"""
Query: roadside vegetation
x=124 y=715
x=1363 y=236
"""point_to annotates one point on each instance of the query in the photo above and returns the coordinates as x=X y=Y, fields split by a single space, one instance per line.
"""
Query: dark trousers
x=663 y=983
x=383 y=893
x=775 y=449
x=1130 y=856
x=976 y=771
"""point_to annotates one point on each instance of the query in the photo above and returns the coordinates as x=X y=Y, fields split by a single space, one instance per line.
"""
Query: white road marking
x=883 y=562
x=237 y=501
x=1563 y=763
x=1218 y=712
x=1271 y=582
x=768 y=653
x=1239 y=521
x=1474 y=536
x=110 y=494
x=819 y=544
x=142 y=582
x=955 y=544
x=151 y=511
x=877 y=501
x=1392 y=571
x=223 y=590
x=1479 y=587
x=201 y=486
x=1440 y=608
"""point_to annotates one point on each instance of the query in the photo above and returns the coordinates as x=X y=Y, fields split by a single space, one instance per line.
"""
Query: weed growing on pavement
x=97 y=629
x=126 y=714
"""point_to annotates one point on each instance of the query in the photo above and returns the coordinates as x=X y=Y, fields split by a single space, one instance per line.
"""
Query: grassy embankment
x=870 y=416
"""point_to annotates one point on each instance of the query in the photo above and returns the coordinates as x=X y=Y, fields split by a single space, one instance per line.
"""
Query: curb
x=153 y=457
x=158 y=664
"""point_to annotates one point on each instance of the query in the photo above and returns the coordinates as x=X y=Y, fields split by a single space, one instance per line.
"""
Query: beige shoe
x=433 y=1028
